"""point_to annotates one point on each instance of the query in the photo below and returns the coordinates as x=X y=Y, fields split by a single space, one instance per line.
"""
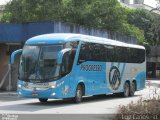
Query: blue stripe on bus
x=118 y=65
x=112 y=64
x=122 y=72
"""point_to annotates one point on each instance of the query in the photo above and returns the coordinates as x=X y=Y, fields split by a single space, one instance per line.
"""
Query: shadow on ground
x=32 y=106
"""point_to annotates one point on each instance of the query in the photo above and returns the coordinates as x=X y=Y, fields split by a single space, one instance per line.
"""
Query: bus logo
x=114 y=78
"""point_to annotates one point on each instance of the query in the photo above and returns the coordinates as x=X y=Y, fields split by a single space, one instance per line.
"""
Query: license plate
x=40 y=85
x=34 y=94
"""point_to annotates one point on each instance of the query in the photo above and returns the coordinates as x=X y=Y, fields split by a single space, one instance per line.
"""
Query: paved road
x=91 y=105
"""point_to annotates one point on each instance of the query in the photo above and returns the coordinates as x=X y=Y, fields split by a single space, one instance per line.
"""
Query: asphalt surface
x=94 y=105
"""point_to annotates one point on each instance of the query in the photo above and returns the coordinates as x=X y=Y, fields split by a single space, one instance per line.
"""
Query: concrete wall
x=4 y=61
x=153 y=63
x=154 y=55
x=19 y=33
x=14 y=72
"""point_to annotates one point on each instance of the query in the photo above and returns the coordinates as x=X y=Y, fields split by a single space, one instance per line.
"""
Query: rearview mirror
x=14 y=54
x=61 y=53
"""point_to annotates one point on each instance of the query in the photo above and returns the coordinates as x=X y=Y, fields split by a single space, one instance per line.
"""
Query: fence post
x=10 y=82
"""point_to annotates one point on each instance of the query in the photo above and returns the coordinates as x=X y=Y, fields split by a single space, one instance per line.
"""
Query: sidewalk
x=9 y=96
x=154 y=83
x=8 y=93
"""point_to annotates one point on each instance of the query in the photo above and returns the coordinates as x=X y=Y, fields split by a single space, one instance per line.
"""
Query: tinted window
x=136 y=55
x=92 y=52
x=108 y=53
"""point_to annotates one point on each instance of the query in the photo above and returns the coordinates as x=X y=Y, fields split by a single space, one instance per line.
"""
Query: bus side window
x=84 y=54
x=109 y=53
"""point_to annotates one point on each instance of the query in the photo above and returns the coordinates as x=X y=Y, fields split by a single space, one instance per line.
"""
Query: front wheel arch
x=78 y=94
x=83 y=87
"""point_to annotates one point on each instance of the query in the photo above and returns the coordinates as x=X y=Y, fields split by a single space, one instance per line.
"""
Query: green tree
x=32 y=10
x=148 y=22
x=131 y=30
x=108 y=14
x=104 y=14
x=155 y=32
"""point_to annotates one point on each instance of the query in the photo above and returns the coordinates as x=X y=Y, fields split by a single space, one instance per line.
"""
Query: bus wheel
x=126 y=89
x=43 y=99
x=79 y=94
x=132 y=89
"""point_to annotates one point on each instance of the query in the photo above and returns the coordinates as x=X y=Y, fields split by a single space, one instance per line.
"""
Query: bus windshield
x=39 y=63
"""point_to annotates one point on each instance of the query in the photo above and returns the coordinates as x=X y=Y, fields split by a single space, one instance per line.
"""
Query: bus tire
x=132 y=88
x=126 y=89
x=79 y=94
x=100 y=95
x=43 y=99
x=118 y=94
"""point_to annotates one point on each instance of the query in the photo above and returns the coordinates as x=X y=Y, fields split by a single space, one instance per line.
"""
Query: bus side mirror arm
x=14 y=54
x=80 y=62
x=60 y=55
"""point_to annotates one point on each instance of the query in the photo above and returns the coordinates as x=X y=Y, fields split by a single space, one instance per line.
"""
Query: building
x=155 y=6
x=130 y=2
x=1 y=9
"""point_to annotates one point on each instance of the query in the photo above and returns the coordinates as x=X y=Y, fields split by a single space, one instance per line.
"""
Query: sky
x=151 y=3
x=3 y=2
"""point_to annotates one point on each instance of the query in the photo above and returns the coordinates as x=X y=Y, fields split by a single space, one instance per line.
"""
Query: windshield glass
x=39 y=63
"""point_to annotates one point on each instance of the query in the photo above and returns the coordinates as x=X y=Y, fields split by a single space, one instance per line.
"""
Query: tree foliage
x=32 y=10
x=149 y=23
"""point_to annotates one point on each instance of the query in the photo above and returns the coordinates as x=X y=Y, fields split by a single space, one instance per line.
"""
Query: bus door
x=94 y=76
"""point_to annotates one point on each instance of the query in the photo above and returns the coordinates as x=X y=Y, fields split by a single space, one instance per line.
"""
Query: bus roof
x=60 y=38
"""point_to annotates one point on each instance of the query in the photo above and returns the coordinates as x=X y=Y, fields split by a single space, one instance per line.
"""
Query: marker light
x=53 y=94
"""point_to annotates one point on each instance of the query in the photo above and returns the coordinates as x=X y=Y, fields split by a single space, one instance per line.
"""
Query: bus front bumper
x=51 y=93
x=30 y=91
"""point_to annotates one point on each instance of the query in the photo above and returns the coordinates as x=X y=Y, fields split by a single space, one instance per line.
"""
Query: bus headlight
x=52 y=86
x=19 y=85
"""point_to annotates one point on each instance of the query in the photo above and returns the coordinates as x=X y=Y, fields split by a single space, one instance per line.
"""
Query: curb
x=8 y=94
x=155 y=83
